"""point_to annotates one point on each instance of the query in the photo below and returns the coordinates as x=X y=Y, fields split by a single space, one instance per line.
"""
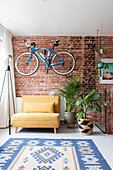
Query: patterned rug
x=51 y=154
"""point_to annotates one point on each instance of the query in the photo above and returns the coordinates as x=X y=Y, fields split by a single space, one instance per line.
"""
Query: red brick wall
x=83 y=49
x=40 y=82
x=107 y=43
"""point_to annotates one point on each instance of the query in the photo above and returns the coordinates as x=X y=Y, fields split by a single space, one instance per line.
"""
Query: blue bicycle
x=61 y=62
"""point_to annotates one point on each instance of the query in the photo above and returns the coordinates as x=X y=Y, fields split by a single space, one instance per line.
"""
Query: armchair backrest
x=42 y=99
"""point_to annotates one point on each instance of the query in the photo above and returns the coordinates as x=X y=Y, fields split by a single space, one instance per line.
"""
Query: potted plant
x=90 y=102
x=69 y=92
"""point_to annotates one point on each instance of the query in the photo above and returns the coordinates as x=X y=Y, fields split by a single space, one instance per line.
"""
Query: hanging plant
x=99 y=53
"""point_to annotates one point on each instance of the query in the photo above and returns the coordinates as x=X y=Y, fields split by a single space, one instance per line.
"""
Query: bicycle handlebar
x=28 y=45
x=33 y=44
x=56 y=43
x=24 y=40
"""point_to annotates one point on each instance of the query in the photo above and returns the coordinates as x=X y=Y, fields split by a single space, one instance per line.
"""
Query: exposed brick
x=83 y=49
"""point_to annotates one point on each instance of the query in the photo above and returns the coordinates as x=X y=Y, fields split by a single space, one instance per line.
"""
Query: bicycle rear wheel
x=68 y=65
x=26 y=69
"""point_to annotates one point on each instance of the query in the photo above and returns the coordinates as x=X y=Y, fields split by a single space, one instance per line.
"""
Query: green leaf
x=98 y=108
x=80 y=110
x=91 y=107
x=69 y=108
x=96 y=96
x=77 y=78
x=79 y=102
x=89 y=96
x=81 y=115
x=72 y=102
x=97 y=101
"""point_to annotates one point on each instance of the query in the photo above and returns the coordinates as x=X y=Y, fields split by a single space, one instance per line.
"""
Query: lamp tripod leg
x=3 y=85
x=12 y=93
x=9 y=102
x=13 y=103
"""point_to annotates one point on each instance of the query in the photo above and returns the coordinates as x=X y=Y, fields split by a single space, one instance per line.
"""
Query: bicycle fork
x=30 y=58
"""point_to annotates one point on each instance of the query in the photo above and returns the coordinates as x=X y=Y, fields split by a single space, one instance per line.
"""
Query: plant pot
x=85 y=126
x=69 y=117
x=100 y=65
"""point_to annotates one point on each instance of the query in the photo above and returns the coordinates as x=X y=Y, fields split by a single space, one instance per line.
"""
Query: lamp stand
x=9 y=84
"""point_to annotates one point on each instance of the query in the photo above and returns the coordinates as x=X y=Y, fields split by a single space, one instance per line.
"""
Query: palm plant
x=70 y=91
x=90 y=102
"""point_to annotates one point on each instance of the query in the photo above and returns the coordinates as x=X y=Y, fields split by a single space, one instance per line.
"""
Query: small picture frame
x=107 y=72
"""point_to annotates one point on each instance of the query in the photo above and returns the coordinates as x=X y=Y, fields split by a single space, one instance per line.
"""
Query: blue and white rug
x=51 y=154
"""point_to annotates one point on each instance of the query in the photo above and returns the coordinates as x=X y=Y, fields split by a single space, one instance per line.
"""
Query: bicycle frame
x=34 y=50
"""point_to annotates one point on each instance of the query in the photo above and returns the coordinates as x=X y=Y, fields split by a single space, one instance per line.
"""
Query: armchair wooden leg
x=54 y=130
x=16 y=129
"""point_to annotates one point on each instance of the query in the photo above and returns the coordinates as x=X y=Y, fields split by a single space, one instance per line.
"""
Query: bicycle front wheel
x=68 y=64
x=26 y=69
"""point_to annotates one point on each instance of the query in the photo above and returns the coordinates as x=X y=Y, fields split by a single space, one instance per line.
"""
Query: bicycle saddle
x=56 y=43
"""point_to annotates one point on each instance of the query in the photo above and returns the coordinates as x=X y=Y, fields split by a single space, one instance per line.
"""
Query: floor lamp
x=9 y=81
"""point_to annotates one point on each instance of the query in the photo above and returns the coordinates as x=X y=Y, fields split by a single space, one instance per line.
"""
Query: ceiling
x=57 y=17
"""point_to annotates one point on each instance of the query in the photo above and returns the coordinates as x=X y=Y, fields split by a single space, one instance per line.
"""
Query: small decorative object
x=107 y=71
x=90 y=102
x=100 y=64
x=70 y=91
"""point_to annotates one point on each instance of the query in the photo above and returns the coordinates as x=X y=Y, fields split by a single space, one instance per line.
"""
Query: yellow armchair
x=38 y=112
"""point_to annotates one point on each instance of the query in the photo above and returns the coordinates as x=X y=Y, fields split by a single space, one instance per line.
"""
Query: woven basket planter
x=85 y=126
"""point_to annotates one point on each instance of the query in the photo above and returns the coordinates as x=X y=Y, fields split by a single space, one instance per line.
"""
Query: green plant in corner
x=70 y=91
x=90 y=102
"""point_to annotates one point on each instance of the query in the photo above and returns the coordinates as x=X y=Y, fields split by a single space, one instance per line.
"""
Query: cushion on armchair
x=30 y=107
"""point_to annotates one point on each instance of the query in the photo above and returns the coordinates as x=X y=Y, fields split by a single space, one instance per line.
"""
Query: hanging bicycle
x=61 y=62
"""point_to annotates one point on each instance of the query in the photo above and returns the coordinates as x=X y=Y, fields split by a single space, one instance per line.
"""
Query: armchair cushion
x=30 y=107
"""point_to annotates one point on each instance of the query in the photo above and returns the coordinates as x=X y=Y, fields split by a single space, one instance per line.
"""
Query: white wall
x=57 y=17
